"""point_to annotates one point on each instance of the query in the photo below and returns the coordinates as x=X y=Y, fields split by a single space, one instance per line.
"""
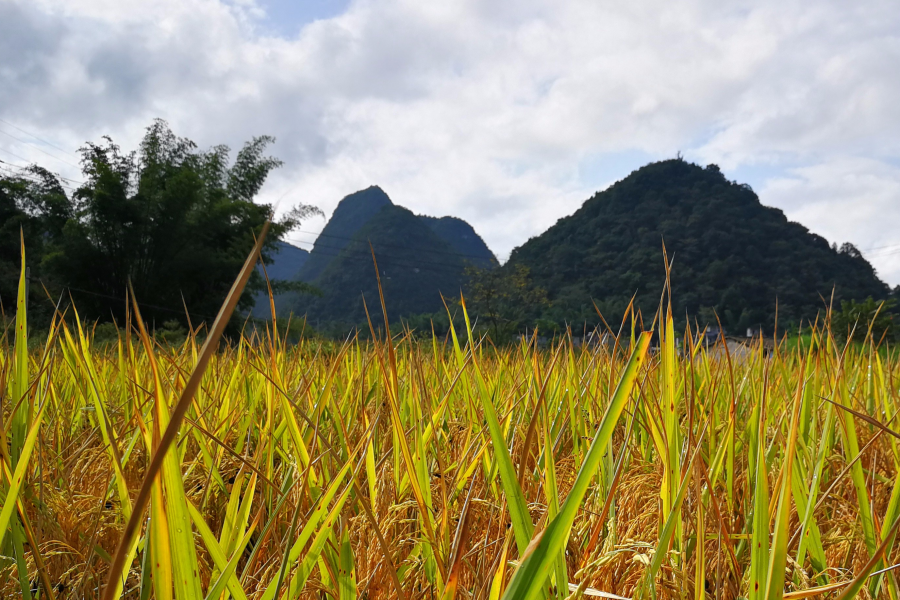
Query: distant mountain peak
x=416 y=266
x=372 y=196
x=351 y=214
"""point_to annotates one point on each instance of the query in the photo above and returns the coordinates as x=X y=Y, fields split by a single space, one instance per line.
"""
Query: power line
x=36 y=137
x=408 y=261
x=892 y=253
x=391 y=262
x=885 y=250
x=31 y=177
x=57 y=175
x=476 y=256
x=881 y=247
x=182 y=310
x=140 y=304
x=13 y=154
x=38 y=148
x=15 y=166
x=400 y=246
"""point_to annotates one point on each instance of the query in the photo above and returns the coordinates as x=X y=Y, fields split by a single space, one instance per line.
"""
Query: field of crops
x=445 y=468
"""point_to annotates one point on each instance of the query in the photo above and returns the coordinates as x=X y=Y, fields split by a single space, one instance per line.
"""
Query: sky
x=506 y=114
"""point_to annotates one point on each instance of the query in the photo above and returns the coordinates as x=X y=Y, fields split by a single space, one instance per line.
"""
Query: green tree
x=33 y=203
x=855 y=318
x=505 y=298
x=175 y=222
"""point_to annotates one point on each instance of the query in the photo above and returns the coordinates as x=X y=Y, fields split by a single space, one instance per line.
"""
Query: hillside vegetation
x=415 y=265
x=731 y=255
x=283 y=265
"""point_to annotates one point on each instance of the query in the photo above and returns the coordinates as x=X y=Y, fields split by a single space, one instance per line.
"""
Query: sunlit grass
x=448 y=468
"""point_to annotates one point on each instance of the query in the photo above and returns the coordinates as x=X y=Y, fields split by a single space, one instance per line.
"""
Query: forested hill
x=286 y=261
x=350 y=215
x=416 y=267
x=731 y=254
x=462 y=239
x=419 y=258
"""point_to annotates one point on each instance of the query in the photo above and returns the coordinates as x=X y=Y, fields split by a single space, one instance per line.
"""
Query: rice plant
x=449 y=468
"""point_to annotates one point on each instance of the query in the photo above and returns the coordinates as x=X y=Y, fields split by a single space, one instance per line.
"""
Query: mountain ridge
x=420 y=257
x=733 y=258
x=415 y=267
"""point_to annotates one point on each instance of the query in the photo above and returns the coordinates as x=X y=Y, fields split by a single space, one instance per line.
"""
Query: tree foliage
x=855 y=319
x=505 y=299
x=33 y=207
x=175 y=222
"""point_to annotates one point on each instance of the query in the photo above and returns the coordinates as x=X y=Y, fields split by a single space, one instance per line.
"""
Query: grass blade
x=187 y=394
x=528 y=580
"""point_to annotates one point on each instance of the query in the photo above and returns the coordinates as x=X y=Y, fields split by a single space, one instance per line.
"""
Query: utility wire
x=881 y=247
x=81 y=182
x=408 y=261
x=883 y=254
x=387 y=245
x=142 y=304
x=39 y=149
x=393 y=262
x=57 y=175
x=30 y=177
x=885 y=251
x=15 y=155
x=37 y=138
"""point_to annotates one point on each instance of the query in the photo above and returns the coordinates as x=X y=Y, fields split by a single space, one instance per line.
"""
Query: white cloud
x=486 y=110
x=847 y=199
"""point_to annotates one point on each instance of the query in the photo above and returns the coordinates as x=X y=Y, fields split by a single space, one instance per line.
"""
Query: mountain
x=285 y=264
x=351 y=214
x=416 y=266
x=419 y=259
x=730 y=254
x=462 y=239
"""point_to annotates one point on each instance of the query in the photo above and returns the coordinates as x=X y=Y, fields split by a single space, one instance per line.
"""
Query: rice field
x=445 y=468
